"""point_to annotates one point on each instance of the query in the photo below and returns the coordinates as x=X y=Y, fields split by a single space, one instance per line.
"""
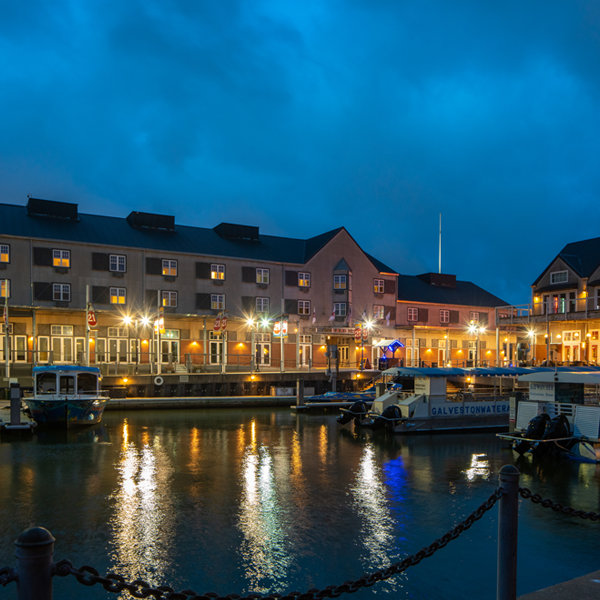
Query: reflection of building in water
x=370 y=499
x=143 y=528
x=265 y=549
x=479 y=467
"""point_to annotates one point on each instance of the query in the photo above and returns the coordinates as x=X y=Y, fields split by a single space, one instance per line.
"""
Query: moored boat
x=66 y=395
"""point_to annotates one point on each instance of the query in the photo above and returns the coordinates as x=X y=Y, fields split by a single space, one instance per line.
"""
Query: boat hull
x=66 y=412
x=452 y=424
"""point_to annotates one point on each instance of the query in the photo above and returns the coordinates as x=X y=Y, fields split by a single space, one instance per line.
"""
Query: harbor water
x=263 y=500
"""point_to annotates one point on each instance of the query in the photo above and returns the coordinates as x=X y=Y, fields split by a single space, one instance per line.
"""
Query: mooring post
x=34 y=550
x=15 y=404
x=300 y=392
x=508 y=515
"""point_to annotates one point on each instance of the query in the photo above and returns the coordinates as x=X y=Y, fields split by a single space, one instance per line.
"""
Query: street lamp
x=476 y=330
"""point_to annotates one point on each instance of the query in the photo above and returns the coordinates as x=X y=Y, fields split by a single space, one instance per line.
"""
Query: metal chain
x=566 y=510
x=140 y=589
x=7 y=574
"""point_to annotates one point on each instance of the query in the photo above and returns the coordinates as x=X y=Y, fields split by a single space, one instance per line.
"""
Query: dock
x=582 y=588
x=162 y=403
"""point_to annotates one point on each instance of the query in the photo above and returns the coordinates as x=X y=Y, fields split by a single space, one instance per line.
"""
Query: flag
x=332 y=317
x=314 y=315
x=364 y=315
x=387 y=318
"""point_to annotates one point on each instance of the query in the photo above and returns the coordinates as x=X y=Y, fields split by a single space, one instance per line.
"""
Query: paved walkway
x=582 y=588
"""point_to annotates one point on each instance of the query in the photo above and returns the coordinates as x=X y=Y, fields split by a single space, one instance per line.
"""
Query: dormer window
x=559 y=277
x=339 y=282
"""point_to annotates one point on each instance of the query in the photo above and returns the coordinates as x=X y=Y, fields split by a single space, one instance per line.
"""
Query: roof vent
x=52 y=209
x=439 y=279
x=237 y=232
x=142 y=220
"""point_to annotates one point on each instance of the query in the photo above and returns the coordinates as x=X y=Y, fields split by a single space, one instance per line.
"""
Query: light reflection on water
x=143 y=512
x=264 y=549
x=479 y=467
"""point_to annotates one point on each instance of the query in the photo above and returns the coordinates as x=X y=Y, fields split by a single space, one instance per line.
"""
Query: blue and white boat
x=66 y=395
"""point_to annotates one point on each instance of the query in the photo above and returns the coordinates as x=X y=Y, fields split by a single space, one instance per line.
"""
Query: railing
x=553 y=308
x=35 y=566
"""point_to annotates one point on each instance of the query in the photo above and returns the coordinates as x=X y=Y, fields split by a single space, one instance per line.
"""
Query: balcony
x=554 y=309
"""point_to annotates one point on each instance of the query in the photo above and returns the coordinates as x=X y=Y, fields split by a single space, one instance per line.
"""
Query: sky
x=303 y=116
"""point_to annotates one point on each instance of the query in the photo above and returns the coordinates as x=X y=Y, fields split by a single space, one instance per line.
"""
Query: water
x=233 y=501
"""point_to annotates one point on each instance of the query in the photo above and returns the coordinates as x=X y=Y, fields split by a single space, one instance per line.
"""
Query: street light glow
x=250 y=322
x=127 y=320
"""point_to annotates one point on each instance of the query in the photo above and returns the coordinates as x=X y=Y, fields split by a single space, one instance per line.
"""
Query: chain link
x=7 y=574
x=556 y=506
x=140 y=589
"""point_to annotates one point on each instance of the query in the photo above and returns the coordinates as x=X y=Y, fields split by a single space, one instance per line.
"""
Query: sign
x=365 y=333
x=280 y=329
x=459 y=409
x=161 y=320
x=358 y=334
x=223 y=323
x=541 y=392
x=91 y=318
x=217 y=325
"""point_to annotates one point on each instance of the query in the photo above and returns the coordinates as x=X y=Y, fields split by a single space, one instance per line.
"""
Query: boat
x=432 y=407
x=366 y=395
x=66 y=395
x=558 y=418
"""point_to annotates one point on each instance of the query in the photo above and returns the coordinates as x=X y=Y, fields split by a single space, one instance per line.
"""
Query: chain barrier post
x=508 y=515
x=34 y=550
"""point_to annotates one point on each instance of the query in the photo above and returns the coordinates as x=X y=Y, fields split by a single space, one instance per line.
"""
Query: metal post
x=34 y=551
x=547 y=342
x=224 y=352
x=34 y=358
x=300 y=392
x=6 y=323
x=15 y=404
x=497 y=341
x=204 y=342
x=87 y=326
x=158 y=348
x=253 y=349
x=508 y=513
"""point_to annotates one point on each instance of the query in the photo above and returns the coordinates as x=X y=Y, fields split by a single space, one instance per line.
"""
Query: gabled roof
x=411 y=288
x=583 y=257
x=118 y=232
x=342 y=266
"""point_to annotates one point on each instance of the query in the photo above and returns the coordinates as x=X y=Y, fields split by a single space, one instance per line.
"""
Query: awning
x=386 y=343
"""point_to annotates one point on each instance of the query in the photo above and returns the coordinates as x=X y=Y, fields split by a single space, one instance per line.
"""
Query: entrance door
x=171 y=347
x=263 y=353
x=62 y=349
x=343 y=353
x=305 y=354
x=117 y=350
x=441 y=357
x=412 y=356
x=134 y=351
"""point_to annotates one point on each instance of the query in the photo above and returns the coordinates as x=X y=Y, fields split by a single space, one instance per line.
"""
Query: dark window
x=202 y=270
x=454 y=316
x=248 y=275
x=423 y=315
x=203 y=300
x=389 y=287
x=42 y=257
x=291 y=306
x=42 y=291
x=151 y=298
x=153 y=266
x=99 y=261
x=249 y=303
x=100 y=295
x=291 y=278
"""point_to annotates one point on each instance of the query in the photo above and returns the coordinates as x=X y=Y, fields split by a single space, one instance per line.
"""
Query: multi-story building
x=55 y=260
x=445 y=322
x=562 y=321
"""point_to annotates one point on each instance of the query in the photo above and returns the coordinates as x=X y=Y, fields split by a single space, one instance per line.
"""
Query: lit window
x=473 y=317
x=304 y=307
x=118 y=263
x=217 y=271
x=262 y=276
x=169 y=268
x=444 y=316
x=61 y=292
x=117 y=332
x=378 y=313
x=61 y=258
x=61 y=329
x=304 y=279
x=378 y=286
x=169 y=299
x=5 y=288
x=339 y=282
x=559 y=277
x=339 y=309
x=4 y=253
x=117 y=295
x=413 y=314
x=262 y=305
x=217 y=301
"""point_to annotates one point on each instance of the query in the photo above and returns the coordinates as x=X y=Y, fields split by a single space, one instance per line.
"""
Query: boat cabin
x=60 y=380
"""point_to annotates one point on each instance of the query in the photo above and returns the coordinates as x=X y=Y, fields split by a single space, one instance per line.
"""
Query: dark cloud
x=303 y=116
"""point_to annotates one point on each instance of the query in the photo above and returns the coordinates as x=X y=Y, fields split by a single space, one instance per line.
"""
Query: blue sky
x=300 y=117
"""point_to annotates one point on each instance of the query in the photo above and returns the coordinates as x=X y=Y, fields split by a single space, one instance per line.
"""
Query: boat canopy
x=460 y=372
x=563 y=376
x=65 y=368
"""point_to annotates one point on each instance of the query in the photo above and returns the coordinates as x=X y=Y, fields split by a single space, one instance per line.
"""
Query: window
x=262 y=276
x=3 y=329
x=559 y=277
x=61 y=292
x=169 y=299
x=262 y=305
x=169 y=268
x=444 y=316
x=378 y=313
x=473 y=317
x=378 y=286
x=413 y=314
x=117 y=332
x=306 y=339
x=61 y=258
x=118 y=263
x=217 y=301
x=339 y=282
x=304 y=307
x=339 y=308
x=61 y=329
x=304 y=280
x=5 y=288
x=118 y=295
x=4 y=253
x=217 y=271
x=594 y=335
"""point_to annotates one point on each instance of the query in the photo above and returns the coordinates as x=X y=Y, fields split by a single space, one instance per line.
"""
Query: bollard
x=15 y=404
x=508 y=514
x=34 y=550
x=300 y=392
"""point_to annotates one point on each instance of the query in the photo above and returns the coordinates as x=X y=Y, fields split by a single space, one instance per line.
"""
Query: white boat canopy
x=585 y=377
